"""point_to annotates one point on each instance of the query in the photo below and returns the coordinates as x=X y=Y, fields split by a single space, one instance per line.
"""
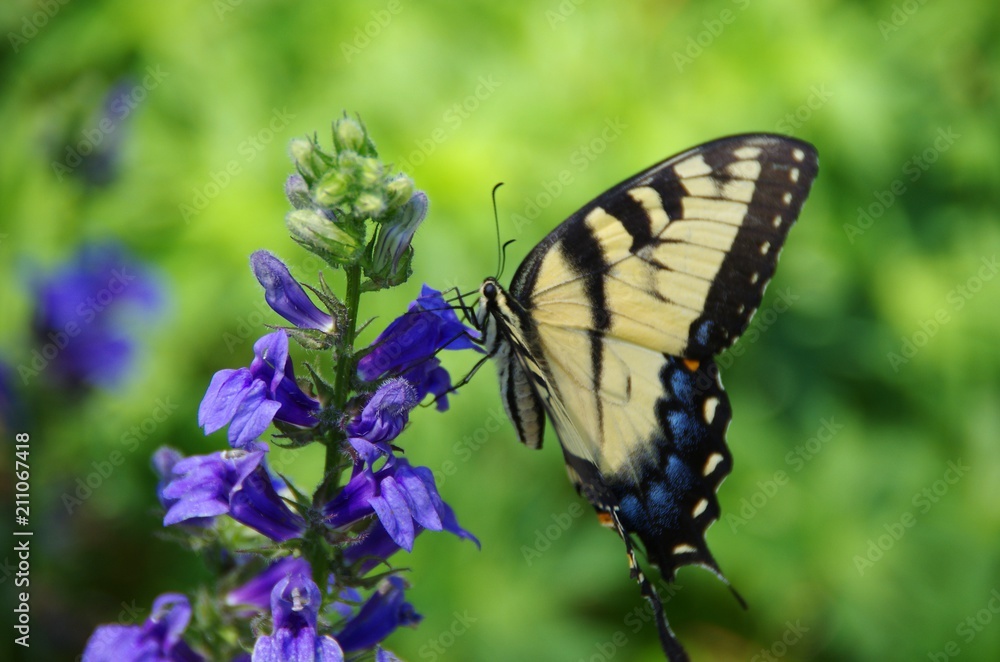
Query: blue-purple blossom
x=164 y=460
x=82 y=316
x=257 y=591
x=285 y=295
x=373 y=547
x=234 y=483
x=403 y=497
x=295 y=603
x=407 y=346
x=158 y=639
x=382 y=419
x=201 y=485
x=382 y=655
x=248 y=399
x=384 y=611
x=258 y=505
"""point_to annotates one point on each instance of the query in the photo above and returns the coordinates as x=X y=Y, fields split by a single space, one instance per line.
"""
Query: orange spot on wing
x=605 y=519
x=691 y=364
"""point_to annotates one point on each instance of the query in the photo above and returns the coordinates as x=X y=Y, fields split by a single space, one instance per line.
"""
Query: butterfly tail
x=668 y=641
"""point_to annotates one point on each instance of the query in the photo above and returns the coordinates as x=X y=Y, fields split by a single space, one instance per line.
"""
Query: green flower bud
x=369 y=205
x=323 y=236
x=332 y=189
x=370 y=174
x=305 y=155
x=399 y=189
x=348 y=134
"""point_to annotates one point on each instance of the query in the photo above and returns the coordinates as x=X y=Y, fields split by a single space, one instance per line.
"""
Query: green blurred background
x=901 y=100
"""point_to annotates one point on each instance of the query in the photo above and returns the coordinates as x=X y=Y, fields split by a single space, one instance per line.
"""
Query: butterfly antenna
x=496 y=222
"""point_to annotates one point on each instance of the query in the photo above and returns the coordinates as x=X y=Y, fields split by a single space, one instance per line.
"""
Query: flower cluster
x=306 y=561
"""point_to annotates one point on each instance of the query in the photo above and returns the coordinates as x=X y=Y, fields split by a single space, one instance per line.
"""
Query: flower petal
x=285 y=295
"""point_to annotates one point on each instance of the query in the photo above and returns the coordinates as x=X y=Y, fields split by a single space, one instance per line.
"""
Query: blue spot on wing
x=659 y=509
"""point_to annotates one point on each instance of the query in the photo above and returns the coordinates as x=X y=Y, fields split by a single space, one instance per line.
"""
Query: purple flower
x=383 y=418
x=159 y=638
x=257 y=592
x=82 y=310
x=248 y=399
x=164 y=460
x=407 y=346
x=373 y=546
x=403 y=497
x=295 y=602
x=385 y=611
x=234 y=483
x=258 y=505
x=285 y=295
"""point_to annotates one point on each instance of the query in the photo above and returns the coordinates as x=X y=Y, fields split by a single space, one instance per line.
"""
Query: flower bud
x=297 y=192
x=322 y=236
x=392 y=251
x=370 y=174
x=348 y=134
x=399 y=189
x=369 y=204
x=306 y=159
x=332 y=189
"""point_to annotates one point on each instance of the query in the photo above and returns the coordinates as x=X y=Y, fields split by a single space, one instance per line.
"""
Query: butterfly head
x=493 y=303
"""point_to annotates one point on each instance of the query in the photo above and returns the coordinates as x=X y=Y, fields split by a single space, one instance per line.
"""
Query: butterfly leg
x=671 y=646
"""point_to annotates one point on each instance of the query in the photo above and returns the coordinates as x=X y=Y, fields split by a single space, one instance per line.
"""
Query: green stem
x=343 y=378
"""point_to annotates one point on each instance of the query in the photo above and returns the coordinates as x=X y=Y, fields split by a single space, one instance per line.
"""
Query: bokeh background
x=862 y=517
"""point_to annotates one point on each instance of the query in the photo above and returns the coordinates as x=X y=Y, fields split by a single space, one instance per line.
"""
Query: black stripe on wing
x=788 y=169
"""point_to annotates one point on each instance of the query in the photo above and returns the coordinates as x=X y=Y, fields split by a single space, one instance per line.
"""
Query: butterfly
x=609 y=330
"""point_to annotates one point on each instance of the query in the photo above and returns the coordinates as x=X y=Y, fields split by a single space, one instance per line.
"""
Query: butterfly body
x=611 y=324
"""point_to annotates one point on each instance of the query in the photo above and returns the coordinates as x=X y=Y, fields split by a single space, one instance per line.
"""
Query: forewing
x=675 y=259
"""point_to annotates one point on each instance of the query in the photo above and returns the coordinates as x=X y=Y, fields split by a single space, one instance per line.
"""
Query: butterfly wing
x=614 y=319
x=675 y=259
